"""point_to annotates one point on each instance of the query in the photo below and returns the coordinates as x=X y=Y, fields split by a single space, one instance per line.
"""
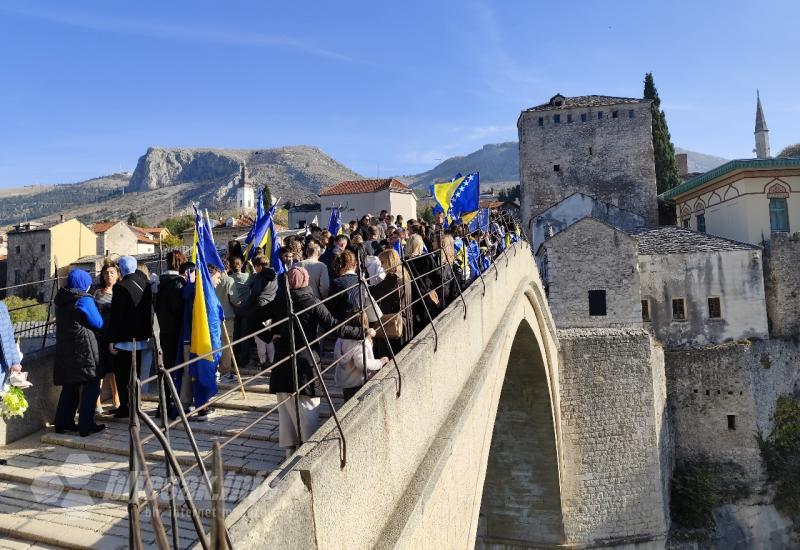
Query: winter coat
x=263 y=289
x=316 y=315
x=9 y=353
x=77 y=352
x=169 y=303
x=131 y=309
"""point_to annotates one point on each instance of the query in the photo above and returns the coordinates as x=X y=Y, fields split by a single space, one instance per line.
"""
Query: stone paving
x=67 y=491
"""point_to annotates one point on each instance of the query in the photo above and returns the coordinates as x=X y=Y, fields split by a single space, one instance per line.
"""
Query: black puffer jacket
x=131 y=309
x=280 y=379
x=77 y=352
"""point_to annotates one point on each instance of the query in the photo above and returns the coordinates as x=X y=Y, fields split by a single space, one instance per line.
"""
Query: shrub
x=780 y=451
x=27 y=309
x=694 y=495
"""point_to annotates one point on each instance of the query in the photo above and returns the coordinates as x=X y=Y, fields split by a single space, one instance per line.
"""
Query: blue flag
x=398 y=246
x=335 y=223
x=480 y=222
x=459 y=198
x=209 y=248
x=259 y=215
x=263 y=235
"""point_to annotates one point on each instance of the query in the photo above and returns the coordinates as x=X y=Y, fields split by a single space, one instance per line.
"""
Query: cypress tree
x=267 y=198
x=664 y=151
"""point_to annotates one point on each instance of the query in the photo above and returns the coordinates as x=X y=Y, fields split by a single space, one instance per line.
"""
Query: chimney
x=682 y=160
x=61 y=217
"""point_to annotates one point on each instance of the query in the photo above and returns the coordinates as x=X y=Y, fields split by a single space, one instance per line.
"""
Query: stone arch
x=699 y=206
x=685 y=211
x=521 y=501
x=776 y=190
x=714 y=199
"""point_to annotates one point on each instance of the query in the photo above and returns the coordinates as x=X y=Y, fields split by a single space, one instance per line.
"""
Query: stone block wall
x=614 y=445
x=782 y=284
x=42 y=398
x=608 y=158
x=591 y=255
x=707 y=385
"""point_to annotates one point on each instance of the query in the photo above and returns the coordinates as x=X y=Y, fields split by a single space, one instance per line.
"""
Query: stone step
x=245 y=455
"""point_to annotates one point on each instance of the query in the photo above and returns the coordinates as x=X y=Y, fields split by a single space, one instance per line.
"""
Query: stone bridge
x=506 y=434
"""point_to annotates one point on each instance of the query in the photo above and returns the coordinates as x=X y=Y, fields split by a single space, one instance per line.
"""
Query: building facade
x=359 y=197
x=115 y=237
x=597 y=145
x=245 y=192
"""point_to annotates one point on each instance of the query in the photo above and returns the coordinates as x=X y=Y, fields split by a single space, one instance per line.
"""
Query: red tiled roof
x=364 y=186
x=99 y=228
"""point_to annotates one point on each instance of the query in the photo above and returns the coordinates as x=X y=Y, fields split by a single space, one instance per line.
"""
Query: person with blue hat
x=77 y=355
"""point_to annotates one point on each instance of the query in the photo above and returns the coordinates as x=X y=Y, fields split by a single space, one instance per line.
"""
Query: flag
x=209 y=248
x=207 y=318
x=459 y=199
x=480 y=222
x=437 y=207
x=274 y=248
x=259 y=215
x=473 y=256
x=335 y=223
x=315 y=221
x=398 y=246
x=263 y=233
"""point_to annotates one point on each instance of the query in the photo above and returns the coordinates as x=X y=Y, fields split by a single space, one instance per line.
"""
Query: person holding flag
x=335 y=222
x=206 y=322
x=458 y=199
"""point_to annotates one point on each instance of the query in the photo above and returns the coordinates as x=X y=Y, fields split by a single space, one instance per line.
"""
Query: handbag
x=392 y=326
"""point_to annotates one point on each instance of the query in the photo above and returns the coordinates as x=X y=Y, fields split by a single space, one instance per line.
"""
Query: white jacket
x=350 y=369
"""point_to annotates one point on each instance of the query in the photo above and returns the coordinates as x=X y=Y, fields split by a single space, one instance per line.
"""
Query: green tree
x=664 y=151
x=790 y=151
x=25 y=309
x=178 y=224
x=267 y=197
x=133 y=219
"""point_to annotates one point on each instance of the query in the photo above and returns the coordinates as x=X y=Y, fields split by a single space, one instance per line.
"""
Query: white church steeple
x=761 y=132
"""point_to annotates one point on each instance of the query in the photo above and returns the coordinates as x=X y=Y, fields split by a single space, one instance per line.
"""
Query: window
x=42 y=274
x=541 y=121
x=778 y=215
x=614 y=114
x=630 y=114
x=42 y=247
x=569 y=118
x=687 y=223
x=599 y=115
x=701 y=223
x=590 y=150
x=646 y=310
x=732 y=422
x=556 y=119
x=597 y=302
x=583 y=117
x=16 y=249
x=556 y=168
x=714 y=308
x=678 y=309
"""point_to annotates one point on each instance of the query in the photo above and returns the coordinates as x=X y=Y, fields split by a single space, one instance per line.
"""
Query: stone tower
x=597 y=145
x=762 y=133
x=245 y=194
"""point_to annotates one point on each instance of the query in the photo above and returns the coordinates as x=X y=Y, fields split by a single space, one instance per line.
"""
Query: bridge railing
x=425 y=282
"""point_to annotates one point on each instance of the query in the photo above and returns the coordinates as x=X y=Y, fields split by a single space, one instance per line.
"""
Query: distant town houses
x=355 y=198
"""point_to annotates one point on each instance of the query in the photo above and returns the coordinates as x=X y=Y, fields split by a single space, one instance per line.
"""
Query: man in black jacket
x=263 y=289
x=130 y=320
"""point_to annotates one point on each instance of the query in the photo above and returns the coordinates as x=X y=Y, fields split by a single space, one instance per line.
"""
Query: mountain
x=498 y=164
x=166 y=181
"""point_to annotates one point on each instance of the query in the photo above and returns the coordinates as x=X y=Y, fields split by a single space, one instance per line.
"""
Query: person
x=422 y=268
x=129 y=320
x=355 y=361
x=10 y=356
x=393 y=295
x=372 y=245
x=235 y=250
x=169 y=312
x=313 y=315
x=286 y=255
x=77 y=358
x=319 y=280
x=398 y=221
x=254 y=312
x=296 y=244
x=363 y=227
x=109 y=275
x=339 y=243
x=225 y=289
x=241 y=287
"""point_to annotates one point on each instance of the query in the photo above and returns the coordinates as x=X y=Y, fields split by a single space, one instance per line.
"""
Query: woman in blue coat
x=77 y=355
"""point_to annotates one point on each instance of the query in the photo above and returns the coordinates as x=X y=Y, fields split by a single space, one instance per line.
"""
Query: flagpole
x=233 y=360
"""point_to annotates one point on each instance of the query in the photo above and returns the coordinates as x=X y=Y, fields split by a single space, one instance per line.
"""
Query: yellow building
x=744 y=200
x=36 y=250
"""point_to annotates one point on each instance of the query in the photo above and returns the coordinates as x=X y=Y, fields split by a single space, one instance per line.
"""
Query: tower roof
x=761 y=122
x=559 y=101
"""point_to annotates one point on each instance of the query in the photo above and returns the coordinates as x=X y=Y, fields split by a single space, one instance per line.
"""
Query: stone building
x=782 y=285
x=597 y=145
x=359 y=197
x=589 y=272
x=302 y=215
x=697 y=289
x=115 y=237
x=245 y=192
x=36 y=249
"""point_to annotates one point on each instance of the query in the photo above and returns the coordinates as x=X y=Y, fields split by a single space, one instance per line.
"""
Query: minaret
x=762 y=133
x=245 y=195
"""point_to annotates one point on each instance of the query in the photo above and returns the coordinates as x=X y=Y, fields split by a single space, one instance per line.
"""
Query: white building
x=359 y=197
x=245 y=192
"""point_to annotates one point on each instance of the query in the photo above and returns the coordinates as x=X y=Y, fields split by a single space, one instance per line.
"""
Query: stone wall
x=591 y=255
x=615 y=450
x=608 y=158
x=782 y=284
x=42 y=397
x=733 y=276
x=707 y=385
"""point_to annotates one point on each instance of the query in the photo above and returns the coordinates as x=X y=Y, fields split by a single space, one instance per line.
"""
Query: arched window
x=778 y=214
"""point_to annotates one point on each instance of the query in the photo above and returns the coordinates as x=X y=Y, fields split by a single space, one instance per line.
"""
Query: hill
x=498 y=163
x=166 y=181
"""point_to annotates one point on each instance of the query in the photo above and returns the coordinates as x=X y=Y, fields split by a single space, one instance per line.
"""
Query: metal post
x=427 y=312
x=50 y=302
x=458 y=284
x=293 y=351
x=218 y=538
x=134 y=525
x=158 y=357
x=233 y=359
x=360 y=276
x=388 y=343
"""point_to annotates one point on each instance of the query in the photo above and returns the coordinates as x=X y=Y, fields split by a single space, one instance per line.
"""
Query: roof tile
x=670 y=239
x=364 y=186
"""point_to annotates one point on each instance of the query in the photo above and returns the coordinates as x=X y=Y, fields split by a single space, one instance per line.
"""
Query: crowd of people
x=370 y=289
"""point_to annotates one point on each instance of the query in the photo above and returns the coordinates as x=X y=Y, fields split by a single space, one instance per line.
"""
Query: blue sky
x=86 y=87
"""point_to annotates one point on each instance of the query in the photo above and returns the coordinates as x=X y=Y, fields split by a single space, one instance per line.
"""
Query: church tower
x=245 y=194
x=762 y=133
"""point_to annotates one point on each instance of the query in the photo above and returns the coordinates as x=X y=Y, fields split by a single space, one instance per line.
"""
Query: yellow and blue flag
x=259 y=215
x=459 y=199
x=263 y=230
x=207 y=318
x=211 y=253
x=335 y=222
